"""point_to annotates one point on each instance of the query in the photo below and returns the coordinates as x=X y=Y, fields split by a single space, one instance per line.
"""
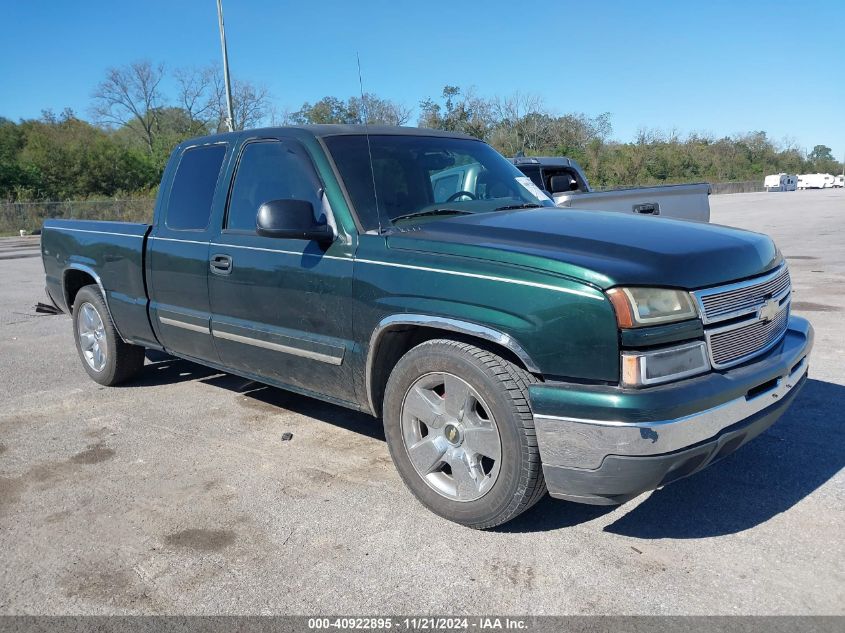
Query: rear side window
x=189 y=205
x=533 y=172
x=270 y=170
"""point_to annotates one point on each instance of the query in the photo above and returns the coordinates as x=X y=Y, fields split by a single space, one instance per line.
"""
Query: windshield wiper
x=419 y=214
x=511 y=207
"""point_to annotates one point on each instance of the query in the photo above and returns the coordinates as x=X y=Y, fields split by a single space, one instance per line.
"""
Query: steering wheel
x=461 y=194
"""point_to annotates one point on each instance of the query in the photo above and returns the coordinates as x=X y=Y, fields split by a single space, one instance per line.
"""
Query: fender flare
x=89 y=271
x=439 y=323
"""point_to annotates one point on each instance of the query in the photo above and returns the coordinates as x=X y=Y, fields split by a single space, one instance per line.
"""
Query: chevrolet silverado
x=509 y=346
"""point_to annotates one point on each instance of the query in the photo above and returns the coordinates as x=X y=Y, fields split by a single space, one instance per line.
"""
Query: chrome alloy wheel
x=451 y=437
x=92 y=337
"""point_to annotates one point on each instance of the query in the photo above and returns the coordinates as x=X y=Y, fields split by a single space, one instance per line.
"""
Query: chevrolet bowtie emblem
x=768 y=310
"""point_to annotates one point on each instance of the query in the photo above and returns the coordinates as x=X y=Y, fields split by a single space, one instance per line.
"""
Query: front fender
x=558 y=327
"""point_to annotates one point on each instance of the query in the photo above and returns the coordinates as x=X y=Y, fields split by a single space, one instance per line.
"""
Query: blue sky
x=717 y=67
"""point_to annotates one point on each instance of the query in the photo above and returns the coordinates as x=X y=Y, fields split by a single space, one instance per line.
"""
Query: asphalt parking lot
x=175 y=494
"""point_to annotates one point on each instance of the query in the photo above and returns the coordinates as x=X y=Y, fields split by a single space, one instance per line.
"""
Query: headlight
x=637 y=307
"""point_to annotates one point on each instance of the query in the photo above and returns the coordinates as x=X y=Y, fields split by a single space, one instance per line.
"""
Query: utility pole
x=230 y=122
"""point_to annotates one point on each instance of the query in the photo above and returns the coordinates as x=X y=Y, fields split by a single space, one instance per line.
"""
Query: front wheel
x=105 y=356
x=460 y=431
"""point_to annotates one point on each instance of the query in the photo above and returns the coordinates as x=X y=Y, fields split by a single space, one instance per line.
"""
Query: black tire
x=504 y=389
x=122 y=360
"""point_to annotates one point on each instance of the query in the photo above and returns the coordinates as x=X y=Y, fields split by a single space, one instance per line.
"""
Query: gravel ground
x=175 y=494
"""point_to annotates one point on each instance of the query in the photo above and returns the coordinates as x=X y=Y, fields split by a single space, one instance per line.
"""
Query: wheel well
x=74 y=281
x=396 y=341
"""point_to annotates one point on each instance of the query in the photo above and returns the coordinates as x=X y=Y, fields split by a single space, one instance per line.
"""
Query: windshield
x=425 y=177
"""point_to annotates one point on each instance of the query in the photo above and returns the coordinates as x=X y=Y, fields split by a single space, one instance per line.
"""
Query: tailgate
x=682 y=202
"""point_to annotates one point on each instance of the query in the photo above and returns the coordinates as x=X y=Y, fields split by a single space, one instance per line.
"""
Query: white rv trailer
x=780 y=182
x=815 y=181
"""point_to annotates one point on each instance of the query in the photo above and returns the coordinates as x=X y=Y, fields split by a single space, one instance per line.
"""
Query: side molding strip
x=184 y=325
x=331 y=359
x=506 y=280
x=277 y=347
x=67 y=228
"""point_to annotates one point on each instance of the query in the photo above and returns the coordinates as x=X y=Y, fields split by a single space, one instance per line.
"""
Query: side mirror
x=293 y=219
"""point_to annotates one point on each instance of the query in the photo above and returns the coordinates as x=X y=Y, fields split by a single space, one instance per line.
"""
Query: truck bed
x=684 y=202
x=110 y=254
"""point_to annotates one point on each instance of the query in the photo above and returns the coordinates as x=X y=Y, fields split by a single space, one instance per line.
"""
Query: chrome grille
x=728 y=301
x=738 y=323
x=732 y=346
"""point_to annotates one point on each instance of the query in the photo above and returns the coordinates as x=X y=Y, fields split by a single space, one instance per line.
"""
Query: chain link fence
x=29 y=216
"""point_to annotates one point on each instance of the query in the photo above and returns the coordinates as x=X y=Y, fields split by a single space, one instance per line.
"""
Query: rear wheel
x=460 y=431
x=105 y=356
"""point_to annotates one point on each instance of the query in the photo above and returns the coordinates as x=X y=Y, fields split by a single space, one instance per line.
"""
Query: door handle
x=221 y=264
x=647 y=208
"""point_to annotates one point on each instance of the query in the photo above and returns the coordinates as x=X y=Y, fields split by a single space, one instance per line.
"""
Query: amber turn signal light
x=622 y=307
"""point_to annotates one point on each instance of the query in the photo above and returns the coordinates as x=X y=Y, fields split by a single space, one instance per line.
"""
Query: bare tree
x=521 y=124
x=250 y=103
x=401 y=114
x=280 y=116
x=385 y=111
x=195 y=87
x=130 y=96
x=378 y=111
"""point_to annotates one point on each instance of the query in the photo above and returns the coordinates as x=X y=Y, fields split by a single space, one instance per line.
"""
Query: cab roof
x=325 y=130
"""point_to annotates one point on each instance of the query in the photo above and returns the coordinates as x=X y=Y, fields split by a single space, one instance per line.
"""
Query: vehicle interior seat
x=490 y=187
x=563 y=183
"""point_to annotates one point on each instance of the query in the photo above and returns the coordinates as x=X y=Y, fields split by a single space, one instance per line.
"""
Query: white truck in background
x=839 y=181
x=564 y=181
x=780 y=182
x=816 y=181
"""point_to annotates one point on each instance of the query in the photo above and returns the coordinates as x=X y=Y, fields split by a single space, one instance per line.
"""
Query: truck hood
x=602 y=248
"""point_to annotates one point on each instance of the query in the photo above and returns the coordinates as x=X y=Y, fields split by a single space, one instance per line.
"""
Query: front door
x=178 y=255
x=281 y=307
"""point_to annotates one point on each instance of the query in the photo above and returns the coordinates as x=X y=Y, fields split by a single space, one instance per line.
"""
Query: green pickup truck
x=510 y=347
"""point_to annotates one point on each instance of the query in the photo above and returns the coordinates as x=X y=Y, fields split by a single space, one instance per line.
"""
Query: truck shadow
x=163 y=369
x=766 y=477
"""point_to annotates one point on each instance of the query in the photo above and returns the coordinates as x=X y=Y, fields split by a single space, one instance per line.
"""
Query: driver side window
x=270 y=170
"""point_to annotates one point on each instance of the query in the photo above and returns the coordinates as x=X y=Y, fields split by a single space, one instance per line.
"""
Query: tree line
x=134 y=125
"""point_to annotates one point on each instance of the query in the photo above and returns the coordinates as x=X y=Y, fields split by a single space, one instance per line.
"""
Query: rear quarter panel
x=110 y=251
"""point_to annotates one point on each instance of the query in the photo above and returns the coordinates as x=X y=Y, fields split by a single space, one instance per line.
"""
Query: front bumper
x=606 y=445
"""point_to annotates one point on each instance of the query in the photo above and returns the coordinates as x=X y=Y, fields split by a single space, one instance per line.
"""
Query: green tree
x=64 y=157
x=69 y=158
x=458 y=112
x=14 y=177
x=326 y=110
x=821 y=152
x=356 y=111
